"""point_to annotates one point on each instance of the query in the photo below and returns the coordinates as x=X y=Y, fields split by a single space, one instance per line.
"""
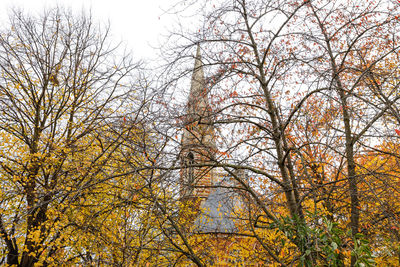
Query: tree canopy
x=292 y=119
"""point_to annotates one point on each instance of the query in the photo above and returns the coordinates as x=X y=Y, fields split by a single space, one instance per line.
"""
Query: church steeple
x=198 y=106
x=198 y=145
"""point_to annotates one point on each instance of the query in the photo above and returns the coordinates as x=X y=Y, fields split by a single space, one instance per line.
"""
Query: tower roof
x=218 y=212
x=198 y=111
x=198 y=103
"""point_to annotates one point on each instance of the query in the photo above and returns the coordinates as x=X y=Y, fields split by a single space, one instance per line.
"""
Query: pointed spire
x=199 y=113
x=198 y=73
x=198 y=98
x=198 y=135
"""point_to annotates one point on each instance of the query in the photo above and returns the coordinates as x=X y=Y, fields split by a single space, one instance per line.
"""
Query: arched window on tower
x=190 y=169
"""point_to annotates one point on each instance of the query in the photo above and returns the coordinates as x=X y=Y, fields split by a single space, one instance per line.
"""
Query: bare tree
x=62 y=89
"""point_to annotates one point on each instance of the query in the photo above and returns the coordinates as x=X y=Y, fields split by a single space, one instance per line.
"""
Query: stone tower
x=200 y=183
x=197 y=145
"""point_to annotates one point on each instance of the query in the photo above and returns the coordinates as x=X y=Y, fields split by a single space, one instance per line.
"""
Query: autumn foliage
x=305 y=117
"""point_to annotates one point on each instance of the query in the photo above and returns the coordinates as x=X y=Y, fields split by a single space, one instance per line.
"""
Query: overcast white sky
x=139 y=23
